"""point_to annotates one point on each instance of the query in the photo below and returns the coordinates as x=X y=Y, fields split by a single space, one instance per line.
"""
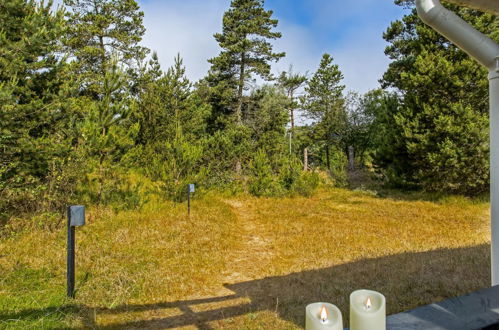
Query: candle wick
x=367 y=304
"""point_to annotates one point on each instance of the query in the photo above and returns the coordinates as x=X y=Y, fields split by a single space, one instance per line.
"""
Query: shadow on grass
x=434 y=197
x=364 y=181
x=407 y=280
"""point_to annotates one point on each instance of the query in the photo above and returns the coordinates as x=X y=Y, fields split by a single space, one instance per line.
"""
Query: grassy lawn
x=245 y=263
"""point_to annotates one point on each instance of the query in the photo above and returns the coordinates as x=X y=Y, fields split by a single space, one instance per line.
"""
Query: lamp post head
x=76 y=215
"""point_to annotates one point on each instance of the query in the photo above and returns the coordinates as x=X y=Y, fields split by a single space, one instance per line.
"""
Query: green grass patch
x=33 y=298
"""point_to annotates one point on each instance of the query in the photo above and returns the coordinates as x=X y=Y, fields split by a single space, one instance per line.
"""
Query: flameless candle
x=367 y=310
x=322 y=316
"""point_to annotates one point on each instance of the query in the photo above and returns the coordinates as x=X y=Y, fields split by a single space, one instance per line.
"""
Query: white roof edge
x=491 y=6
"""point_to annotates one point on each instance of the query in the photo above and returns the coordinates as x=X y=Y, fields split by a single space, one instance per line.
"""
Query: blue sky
x=351 y=31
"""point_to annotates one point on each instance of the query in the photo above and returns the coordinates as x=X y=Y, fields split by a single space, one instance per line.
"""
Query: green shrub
x=307 y=183
x=338 y=170
x=262 y=181
x=174 y=165
x=289 y=172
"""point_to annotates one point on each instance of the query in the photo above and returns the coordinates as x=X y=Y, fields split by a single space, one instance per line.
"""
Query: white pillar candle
x=367 y=310
x=323 y=316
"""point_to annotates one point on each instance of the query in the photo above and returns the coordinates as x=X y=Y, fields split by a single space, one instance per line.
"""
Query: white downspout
x=485 y=51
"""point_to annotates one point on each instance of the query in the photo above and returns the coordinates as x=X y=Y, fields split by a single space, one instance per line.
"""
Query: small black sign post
x=76 y=218
x=190 y=189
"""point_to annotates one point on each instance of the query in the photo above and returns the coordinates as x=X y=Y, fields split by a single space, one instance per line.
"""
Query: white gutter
x=486 y=52
x=462 y=34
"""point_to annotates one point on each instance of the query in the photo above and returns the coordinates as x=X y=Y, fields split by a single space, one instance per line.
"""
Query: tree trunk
x=351 y=158
x=238 y=167
x=102 y=156
x=239 y=110
x=305 y=159
x=328 y=165
x=101 y=179
x=291 y=111
x=292 y=121
x=101 y=43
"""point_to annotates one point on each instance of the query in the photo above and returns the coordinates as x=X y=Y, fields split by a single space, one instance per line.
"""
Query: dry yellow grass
x=246 y=263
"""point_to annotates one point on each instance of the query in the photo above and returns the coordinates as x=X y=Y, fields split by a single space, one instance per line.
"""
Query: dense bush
x=306 y=183
x=338 y=164
x=262 y=181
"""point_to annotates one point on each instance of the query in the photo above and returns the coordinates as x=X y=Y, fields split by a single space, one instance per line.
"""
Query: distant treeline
x=89 y=116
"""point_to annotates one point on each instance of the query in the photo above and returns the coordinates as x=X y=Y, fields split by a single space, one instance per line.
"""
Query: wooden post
x=327 y=158
x=305 y=159
x=188 y=202
x=351 y=158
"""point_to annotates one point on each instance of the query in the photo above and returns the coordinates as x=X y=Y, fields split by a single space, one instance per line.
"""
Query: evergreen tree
x=290 y=82
x=246 y=50
x=268 y=119
x=387 y=147
x=107 y=134
x=173 y=131
x=170 y=108
x=358 y=132
x=324 y=103
x=103 y=43
x=32 y=90
x=441 y=124
x=148 y=73
x=100 y=30
x=263 y=181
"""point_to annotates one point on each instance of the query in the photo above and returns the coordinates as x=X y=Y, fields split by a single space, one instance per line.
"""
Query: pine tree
x=107 y=134
x=262 y=181
x=290 y=82
x=100 y=30
x=31 y=92
x=440 y=126
x=358 y=131
x=173 y=131
x=268 y=118
x=170 y=108
x=324 y=103
x=246 y=51
x=102 y=42
x=148 y=73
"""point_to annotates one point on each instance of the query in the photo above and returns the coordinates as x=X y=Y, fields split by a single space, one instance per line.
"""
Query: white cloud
x=184 y=27
x=361 y=59
x=188 y=27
